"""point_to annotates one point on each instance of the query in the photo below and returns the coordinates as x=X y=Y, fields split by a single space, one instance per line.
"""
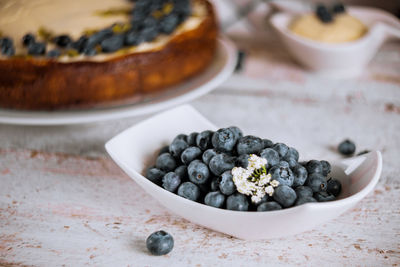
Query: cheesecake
x=75 y=54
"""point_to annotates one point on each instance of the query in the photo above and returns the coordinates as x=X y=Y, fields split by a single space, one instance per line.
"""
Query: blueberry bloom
x=254 y=181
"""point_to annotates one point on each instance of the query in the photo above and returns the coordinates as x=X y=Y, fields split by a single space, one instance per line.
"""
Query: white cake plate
x=219 y=70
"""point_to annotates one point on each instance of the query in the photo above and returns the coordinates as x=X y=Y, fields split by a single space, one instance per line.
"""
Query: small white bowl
x=339 y=60
x=136 y=148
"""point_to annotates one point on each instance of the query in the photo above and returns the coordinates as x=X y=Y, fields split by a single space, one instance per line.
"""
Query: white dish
x=220 y=69
x=332 y=60
x=136 y=148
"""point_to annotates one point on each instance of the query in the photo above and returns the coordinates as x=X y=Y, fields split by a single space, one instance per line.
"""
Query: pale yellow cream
x=74 y=17
x=344 y=28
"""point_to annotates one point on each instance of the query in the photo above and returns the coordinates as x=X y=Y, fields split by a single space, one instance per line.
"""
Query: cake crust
x=44 y=84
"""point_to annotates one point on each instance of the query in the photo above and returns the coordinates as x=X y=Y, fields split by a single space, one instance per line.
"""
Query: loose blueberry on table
x=347 y=147
x=224 y=169
x=160 y=243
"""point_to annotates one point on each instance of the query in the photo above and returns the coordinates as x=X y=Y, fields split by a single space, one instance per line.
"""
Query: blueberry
x=324 y=196
x=37 y=49
x=303 y=200
x=208 y=154
x=189 y=191
x=284 y=195
x=338 y=8
x=223 y=140
x=293 y=153
x=242 y=160
x=317 y=182
x=166 y=162
x=282 y=173
x=169 y=23
x=269 y=206
x=236 y=131
x=191 y=139
x=323 y=14
x=292 y=156
x=80 y=44
x=214 y=199
x=347 y=147
x=314 y=166
x=214 y=185
x=89 y=51
x=227 y=186
x=271 y=156
x=189 y=154
x=62 y=40
x=54 y=53
x=133 y=38
x=326 y=167
x=97 y=37
x=27 y=39
x=149 y=33
x=198 y=172
x=7 y=46
x=182 y=137
x=281 y=148
x=139 y=14
x=164 y=149
x=171 y=181
x=267 y=143
x=303 y=191
x=182 y=172
x=177 y=147
x=203 y=140
x=182 y=8
x=160 y=243
x=249 y=145
x=300 y=175
x=220 y=163
x=155 y=175
x=149 y=22
x=112 y=43
x=334 y=187
x=238 y=202
x=283 y=164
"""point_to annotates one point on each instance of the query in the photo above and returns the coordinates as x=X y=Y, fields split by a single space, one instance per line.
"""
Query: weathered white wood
x=69 y=209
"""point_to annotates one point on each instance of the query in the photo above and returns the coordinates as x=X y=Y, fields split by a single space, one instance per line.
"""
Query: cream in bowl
x=336 y=26
x=337 y=45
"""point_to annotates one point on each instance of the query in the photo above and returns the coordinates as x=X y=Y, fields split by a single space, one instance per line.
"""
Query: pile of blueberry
x=326 y=14
x=149 y=18
x=199 y=167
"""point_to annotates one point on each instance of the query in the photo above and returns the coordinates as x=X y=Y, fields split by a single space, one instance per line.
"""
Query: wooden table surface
x=64 y=202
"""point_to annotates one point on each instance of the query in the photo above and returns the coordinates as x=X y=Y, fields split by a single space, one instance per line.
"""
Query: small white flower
x=274 y=183
x=264 y=179
x=269 y=190
x=254 y=181
x=255 y=199
x=256 y=162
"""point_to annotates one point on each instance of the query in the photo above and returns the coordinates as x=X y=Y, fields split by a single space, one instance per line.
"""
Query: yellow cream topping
x=343 y=28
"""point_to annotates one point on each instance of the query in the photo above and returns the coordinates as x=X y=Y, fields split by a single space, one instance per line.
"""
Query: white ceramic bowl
x=136 y=148
x=339 y=60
